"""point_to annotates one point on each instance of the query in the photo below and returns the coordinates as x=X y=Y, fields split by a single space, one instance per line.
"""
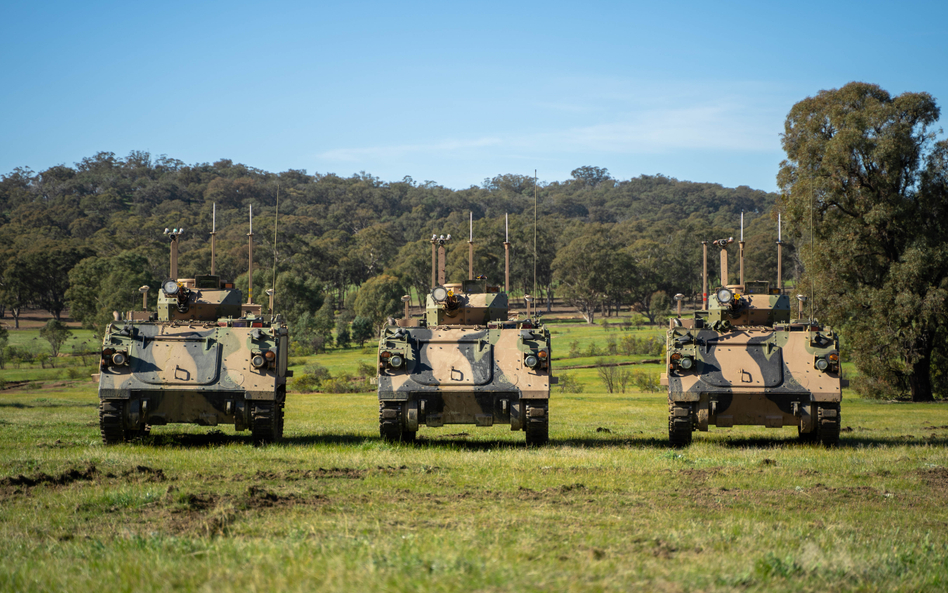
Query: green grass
x=81 y=339
x=606 y=507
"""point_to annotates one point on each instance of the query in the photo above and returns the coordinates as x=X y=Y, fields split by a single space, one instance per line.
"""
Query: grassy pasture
x=608 y=506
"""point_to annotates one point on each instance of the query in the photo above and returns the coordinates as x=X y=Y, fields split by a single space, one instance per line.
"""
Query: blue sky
x=447 y=92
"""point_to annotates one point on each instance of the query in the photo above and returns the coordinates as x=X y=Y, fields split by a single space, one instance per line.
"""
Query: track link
x=829 y=423
x=112 y=421
x=391 y=427
x=680 y=424
x=267 y=421
x=538 y=425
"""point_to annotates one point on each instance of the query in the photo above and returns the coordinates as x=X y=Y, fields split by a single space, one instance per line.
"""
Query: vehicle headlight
x=686 y=363
x=822 y=364
x=258 y=361
x=119 y=358
x=531 y=361
x=724 y=296
x=439 y=293
x=396 y=361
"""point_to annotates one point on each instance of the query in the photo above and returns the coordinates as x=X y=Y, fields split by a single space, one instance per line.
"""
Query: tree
x=362 y=329
x=297 y=293
x=324 y=321
x=100 y=285
x=16 y=287
x=379 y=298
x=590 y=176
x=56 y=333
x=49 y=265
x=413 y=266
x=866 y=185
x=4 y=336
x=589 y=270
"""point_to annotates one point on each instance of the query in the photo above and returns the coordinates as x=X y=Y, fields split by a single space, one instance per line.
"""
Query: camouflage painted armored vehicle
x=744 y=361
x=465 y=362
x=204 y=358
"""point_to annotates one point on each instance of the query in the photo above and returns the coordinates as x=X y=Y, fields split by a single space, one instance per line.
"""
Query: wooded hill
x=601 y=242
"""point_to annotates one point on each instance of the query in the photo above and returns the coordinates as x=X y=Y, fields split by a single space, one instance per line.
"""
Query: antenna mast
x=174 y=234
x=250 y=261
x=273 y=282
x=534 y=234
x=704 y=277
x=506 y=254
x=741 y=244
x=470 y=250
x=779 y=258
x=213 y=235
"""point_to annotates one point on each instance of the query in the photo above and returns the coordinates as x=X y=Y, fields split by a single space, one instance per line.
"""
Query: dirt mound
x=67 y=477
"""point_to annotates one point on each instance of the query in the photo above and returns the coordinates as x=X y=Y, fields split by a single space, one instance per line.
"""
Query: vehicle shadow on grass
x=217 y=438
x=462 y=441
x=845 y=442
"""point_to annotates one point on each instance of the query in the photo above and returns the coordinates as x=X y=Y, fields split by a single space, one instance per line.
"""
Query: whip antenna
x=273 y=282
x=534 y=234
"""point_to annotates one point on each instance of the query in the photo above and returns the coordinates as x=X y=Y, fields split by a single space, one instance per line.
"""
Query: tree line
x=88 y=236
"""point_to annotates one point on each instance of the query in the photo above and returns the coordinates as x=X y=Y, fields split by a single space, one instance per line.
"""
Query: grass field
x=608 y=506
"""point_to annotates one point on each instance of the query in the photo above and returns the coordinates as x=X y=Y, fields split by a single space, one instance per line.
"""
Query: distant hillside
x=339 y=231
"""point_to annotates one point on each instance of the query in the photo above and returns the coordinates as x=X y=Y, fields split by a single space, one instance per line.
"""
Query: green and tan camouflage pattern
x=753 y=365
x=196 y=371
x=467 y=364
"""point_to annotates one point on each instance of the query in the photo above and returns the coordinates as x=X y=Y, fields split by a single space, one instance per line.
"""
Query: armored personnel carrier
x=465 y=362
x=744 y=361
x=202 y=358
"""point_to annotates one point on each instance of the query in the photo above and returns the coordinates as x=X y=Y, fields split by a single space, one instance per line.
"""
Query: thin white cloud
x=354 y=155
x=630 y=121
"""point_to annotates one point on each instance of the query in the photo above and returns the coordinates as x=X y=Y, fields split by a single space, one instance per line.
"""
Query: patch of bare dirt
x=936 y=478
x=22 y=484
x=700 y=475
x=67 y=477
x=212 y=514
x=347 y=473
x=664 y=550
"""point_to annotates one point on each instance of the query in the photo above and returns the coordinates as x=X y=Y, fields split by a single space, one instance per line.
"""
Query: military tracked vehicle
x=202 y=358
x=465 y=362
x=745 y=361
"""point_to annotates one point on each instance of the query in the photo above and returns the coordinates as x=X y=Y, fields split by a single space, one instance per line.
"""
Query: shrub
x=304 y=383
x=611 y=347
x=365 y=370
x=608 y=374
x=647 y=382
x=569 y=384
x=875 y=388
